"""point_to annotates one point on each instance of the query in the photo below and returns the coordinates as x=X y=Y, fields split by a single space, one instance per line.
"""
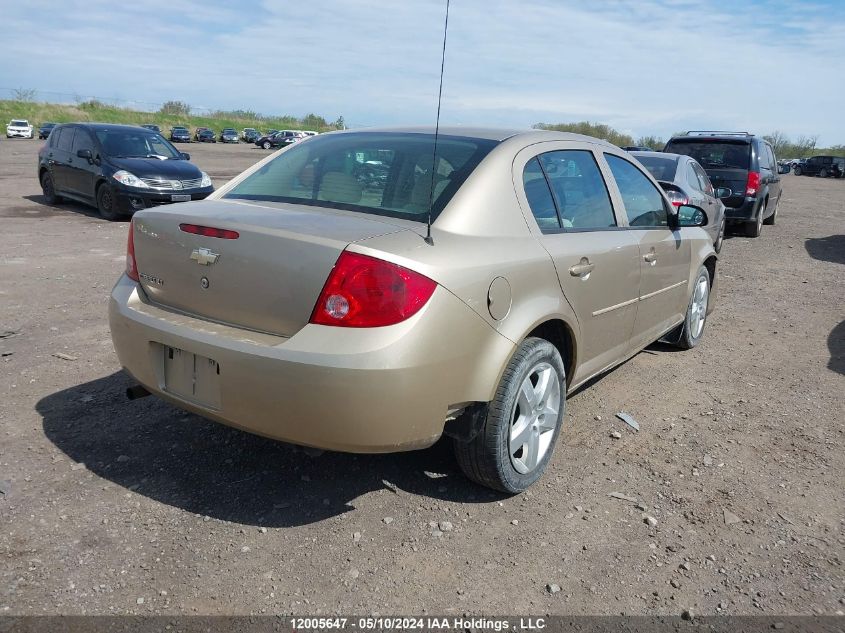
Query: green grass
x=37 y=113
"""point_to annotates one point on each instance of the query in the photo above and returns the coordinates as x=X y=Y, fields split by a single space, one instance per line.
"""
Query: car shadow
x=827 y=249
x=183 y=460
x=836 y=345
x=51 y=210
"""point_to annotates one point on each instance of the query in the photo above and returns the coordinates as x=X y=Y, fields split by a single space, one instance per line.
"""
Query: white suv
x=19 y=128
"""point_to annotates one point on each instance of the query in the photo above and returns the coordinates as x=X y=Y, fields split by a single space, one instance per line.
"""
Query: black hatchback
x=745 y=164
x=119 y=169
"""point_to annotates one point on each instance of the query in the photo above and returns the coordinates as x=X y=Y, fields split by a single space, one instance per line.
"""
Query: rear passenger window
x=65 y=141
x=643 y=202
x=579 y=190
x=763 y=157
x=539 y=196
x=692 y=178
x=55 y=135
x=706 y=185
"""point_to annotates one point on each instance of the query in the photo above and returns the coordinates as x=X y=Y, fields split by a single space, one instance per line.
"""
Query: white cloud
x=649 y=66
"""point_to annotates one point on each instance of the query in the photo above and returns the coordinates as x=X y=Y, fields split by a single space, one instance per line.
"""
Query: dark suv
x=745 y=164
x=118 y=169
x=823 y=166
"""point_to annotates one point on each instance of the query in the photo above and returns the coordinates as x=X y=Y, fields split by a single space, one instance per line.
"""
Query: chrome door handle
x=582 y=268
x=650 y=257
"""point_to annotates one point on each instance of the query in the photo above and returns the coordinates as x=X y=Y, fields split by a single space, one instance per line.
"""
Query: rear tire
x=106 y=204
x=823 y=172
x=266 y=145
x=48 y=189
x=720 y=240
x=696 y=316
x=772 y=218
x=754 y=228
x=522 y=424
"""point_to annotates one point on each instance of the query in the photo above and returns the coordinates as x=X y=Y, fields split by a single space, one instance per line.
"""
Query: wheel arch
x=101 y=180
x=560 y=334
x=710 y=265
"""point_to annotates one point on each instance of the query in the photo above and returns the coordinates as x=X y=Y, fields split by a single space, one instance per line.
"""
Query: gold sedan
x=370 y=291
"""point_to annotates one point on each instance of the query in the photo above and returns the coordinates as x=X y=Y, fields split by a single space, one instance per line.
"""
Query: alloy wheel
x=698 y=307
x=534 y=417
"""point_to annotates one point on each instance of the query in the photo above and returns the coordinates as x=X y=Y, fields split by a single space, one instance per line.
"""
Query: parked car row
x=282 y=138
x=181 y=134
x=21 y=128
x=733 y=174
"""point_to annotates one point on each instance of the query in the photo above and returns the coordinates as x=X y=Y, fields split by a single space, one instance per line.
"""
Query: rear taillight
x=363 y=291
x=677 y=198
x=131 y=266
x=209 y=231
x=753 y=183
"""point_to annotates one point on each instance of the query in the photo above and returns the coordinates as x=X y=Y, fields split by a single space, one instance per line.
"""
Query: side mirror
x=86 y=154
x=690 y=215
x=723 y=192
x=783 y=169
x=185 y=155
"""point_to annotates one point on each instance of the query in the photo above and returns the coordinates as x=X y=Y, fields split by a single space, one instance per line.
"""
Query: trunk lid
x=268 y=279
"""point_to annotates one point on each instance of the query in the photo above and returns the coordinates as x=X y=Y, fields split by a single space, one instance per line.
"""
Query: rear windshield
x=714 y=154
x=380 y=173
x=661 y=168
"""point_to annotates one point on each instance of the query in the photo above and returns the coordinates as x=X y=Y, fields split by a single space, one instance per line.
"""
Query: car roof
x=486 y=133
x=668 y=155
x=105 y=126
x=731 y=137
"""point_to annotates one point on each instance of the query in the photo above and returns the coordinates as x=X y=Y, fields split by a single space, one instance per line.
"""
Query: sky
x=645 y=67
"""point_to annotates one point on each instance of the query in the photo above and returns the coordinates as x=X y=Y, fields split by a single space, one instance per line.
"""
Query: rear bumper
x=745 y=213
x=358 y=390
x=129 y=201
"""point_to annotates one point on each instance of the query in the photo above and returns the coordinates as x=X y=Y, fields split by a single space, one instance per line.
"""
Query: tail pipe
x=136 y=391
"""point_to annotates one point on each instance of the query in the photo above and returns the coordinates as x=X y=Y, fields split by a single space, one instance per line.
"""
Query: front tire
x=823 y=172
x=106 y=204
x=797 y=170
x=523 y=421
x=266 y=145
x=696 y=315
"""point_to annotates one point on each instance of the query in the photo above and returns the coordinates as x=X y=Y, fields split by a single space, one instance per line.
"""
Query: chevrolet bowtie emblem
x=204 y=257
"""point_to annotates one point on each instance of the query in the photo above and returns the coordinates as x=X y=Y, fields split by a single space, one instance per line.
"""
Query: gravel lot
x=111 y=506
